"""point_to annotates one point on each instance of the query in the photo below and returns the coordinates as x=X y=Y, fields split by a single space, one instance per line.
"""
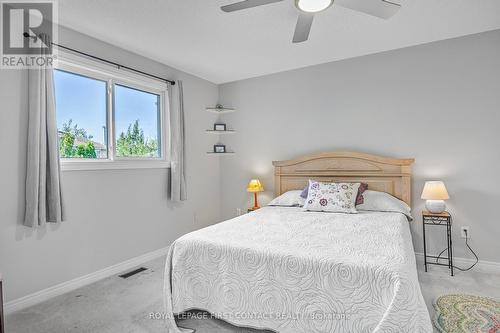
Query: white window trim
x=81 y=65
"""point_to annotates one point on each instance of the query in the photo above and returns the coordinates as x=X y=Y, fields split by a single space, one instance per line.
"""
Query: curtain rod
x=27 y=35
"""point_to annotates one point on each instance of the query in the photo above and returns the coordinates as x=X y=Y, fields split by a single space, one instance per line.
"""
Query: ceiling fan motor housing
x=313 y=6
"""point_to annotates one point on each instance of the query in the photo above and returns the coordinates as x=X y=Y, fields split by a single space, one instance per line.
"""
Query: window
x=137 y=120
x=81 y=115
x=107 y=118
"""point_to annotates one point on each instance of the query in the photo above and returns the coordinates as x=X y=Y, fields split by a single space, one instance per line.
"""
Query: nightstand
x=442 y=220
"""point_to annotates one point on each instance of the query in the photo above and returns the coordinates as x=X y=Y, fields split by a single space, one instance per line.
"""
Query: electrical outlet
x=238 y=211
x=465 y=232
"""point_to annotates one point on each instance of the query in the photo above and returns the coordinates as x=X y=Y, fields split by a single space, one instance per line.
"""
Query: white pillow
x=332 y=197
x=288 y=199
x=384 y=202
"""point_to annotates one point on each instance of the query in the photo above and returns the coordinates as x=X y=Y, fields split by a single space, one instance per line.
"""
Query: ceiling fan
x=307 y=8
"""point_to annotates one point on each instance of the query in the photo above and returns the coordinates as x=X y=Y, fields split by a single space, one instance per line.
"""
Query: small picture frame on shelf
x=220 y=127
x=219 y=149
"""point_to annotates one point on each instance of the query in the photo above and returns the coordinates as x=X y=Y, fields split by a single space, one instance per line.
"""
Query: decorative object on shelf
x=443 y=220
x=219 y=127
x=435 y=193
x=219 y=149
x=255 y=186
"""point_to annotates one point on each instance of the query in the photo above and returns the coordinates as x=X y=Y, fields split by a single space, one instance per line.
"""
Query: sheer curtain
x=178 y=191
x=43 y=172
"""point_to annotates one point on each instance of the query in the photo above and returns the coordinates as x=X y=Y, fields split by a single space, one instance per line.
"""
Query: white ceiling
x=197 y=37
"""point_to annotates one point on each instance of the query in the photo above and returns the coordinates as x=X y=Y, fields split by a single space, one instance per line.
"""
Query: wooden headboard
x=391 y=175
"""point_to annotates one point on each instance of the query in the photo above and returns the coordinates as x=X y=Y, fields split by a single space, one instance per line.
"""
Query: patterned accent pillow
x=359 y=198
x=362 y=188
x=332 y=197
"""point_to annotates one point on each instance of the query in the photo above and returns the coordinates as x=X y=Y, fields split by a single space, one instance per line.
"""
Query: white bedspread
x=290 y=271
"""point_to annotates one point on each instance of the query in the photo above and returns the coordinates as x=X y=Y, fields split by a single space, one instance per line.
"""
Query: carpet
x=467 y=313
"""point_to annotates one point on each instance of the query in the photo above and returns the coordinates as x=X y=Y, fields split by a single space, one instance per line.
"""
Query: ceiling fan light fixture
x=313 y=6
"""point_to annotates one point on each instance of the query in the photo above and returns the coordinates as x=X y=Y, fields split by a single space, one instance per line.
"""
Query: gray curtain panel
x=43 y=172
x=178 y=191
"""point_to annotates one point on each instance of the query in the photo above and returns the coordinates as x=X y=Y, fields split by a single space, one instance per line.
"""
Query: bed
x=286 y=270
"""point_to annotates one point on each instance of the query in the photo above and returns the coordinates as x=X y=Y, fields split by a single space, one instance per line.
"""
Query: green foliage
x=75 y=130
x=129 y=144
x=133 y=143
x=66 y=143
x=68 y=135
x=86 y=150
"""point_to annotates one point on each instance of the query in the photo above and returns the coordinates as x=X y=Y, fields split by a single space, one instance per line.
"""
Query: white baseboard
x=59 y=289
x=482 y=266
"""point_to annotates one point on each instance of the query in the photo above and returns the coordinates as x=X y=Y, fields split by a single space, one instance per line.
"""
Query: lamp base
x=435 y=206
x=255 y=202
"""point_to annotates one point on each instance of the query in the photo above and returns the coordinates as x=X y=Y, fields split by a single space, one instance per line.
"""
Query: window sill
x=112 y=165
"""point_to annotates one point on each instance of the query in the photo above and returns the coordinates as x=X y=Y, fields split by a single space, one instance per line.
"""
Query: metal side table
x=443 y=220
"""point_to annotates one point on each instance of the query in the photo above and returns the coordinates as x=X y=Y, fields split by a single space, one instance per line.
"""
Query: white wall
x=438 y=102
x=112 y=215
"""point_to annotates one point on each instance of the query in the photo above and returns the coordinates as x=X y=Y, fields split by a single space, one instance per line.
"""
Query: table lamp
x=255 y=186
x=435 y=193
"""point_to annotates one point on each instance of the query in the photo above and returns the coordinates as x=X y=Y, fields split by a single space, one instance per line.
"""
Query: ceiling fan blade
x=246 y=4
x=379 y=8
x=303 y=27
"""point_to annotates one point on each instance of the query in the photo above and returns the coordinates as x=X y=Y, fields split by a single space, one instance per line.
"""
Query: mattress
x=290 y=271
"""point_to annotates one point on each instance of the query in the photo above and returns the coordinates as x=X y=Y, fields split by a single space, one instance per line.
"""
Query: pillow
x=384 y=202
x=331 y=197
x=359 y=197
x=288 y=199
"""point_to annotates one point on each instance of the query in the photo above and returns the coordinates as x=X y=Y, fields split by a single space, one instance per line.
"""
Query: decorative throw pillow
x=384 y=202
x=359 y=197
x=331 y=197
x=288 y=199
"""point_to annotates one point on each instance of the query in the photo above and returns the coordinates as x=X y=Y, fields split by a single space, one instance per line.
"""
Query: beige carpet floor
x=126 y=305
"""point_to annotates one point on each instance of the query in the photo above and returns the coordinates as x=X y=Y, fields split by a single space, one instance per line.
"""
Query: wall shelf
x=220 y=110
x=226 y=153
x=221 y=132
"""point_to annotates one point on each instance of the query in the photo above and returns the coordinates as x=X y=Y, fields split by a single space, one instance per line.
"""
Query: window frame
x=80 y=65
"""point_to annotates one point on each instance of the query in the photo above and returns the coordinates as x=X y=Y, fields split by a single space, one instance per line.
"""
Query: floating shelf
x=220 y=110
x=226 y=153
x=221 y=132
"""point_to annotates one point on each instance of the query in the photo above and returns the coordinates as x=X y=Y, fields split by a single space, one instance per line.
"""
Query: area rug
x=467 y=314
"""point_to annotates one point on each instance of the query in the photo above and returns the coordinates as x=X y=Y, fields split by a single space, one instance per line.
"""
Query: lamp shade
x=435 y=190
x=255 y=186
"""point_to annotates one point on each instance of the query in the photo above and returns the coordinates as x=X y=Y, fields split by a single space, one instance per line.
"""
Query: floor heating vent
x=134 y=272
